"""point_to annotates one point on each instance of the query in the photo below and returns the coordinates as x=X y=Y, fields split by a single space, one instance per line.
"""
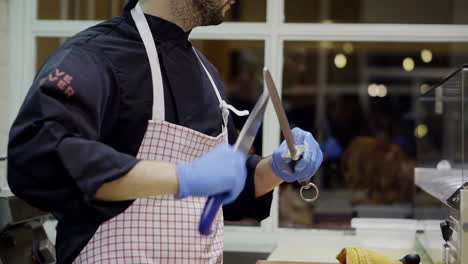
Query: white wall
x=4 y=84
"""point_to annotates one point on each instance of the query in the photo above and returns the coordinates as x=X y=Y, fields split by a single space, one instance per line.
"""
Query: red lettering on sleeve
x=58 y=72
x=68 y=78
x=52 y=78
x=69 y=91
x=61 y=84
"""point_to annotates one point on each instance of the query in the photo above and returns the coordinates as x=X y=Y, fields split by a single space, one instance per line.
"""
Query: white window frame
x=25 y=28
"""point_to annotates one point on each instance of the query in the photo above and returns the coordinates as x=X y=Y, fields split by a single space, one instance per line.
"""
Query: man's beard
x=209 y=12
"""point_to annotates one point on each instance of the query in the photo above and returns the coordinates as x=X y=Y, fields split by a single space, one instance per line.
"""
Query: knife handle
x=292 y=165
x=212 y=206
x=298 y=156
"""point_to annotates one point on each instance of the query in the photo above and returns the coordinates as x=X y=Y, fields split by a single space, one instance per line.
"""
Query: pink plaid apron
x=160 y=229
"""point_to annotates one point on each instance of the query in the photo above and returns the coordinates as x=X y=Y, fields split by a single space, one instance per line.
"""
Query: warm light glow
x=382 y=90
x=421 y=131
x=348 y=48
x=326 y=44
x=408 y=64
x=373 y=90
x=426 y=55
x=377 y=90
x=340 y=61
x=327 y=21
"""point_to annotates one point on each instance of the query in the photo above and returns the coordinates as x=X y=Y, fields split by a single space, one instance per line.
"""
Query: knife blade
x=249 y=130
x=243 y=143
x=294 y=151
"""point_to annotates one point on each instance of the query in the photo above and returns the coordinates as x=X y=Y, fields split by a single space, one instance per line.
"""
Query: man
x=123 y=134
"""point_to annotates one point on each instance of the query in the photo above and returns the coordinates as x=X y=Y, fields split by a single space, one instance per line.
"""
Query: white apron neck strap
x=225 y=107
x=150 y=46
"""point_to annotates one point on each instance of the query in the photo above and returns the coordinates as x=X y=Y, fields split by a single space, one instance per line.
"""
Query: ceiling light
x=348 y=48
x=421 y=131
x=408 y=64
x=426 y=55
x=340 y=61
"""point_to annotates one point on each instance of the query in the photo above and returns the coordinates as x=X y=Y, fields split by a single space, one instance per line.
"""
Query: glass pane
x=244 y=11
x=44 y=47
x=382 y=11
x=79 y=9
x=359 y=99
x=240 y=64
x=247 y=11
x=440 y=141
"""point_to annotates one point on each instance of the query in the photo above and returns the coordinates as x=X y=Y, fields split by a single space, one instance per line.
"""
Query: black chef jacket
x=85 y=116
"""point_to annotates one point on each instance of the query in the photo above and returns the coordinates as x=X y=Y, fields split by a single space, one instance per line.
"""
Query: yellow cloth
x=363 y=256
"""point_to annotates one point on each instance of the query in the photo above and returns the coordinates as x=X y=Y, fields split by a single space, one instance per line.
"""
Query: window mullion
x=91 y=12
x=271 y=129
x=375 y=32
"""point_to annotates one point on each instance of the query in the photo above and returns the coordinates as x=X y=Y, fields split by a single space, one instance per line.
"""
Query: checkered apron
x=160 y=229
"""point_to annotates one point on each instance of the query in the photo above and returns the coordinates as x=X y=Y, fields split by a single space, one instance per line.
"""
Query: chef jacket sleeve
x=246 y=206
x=54 y=142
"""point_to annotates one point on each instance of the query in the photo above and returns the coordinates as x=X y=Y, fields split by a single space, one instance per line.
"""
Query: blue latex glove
x=306 y=167
x=220 y=171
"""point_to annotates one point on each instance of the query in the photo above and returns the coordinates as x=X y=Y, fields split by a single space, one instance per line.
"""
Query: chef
x=124 y=133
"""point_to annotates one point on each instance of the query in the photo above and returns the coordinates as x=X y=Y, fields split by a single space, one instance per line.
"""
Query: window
x=359 y=99
x=248 y=11
x=79 y=9
x=244 y=11
x=382 y=11
x=44 y=47
x=240 y=64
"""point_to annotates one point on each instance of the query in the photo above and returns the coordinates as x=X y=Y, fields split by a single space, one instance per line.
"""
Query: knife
x=243 y=143
x=295 y=151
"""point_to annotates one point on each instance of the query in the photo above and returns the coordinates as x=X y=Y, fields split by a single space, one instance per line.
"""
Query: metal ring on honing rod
x=307 y=187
